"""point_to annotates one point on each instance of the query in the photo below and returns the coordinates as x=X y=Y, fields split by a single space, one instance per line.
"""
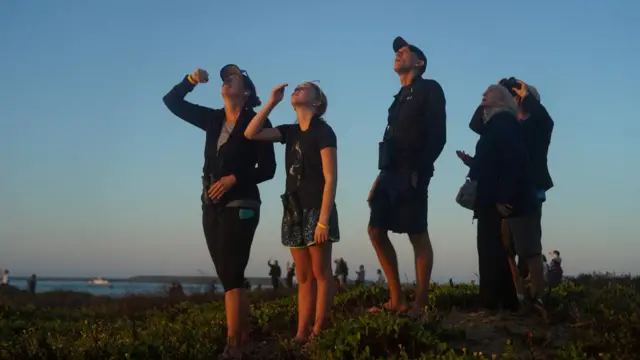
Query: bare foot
x=299 y=339
x=400 y=308
x=416 y=312
x=230 y=353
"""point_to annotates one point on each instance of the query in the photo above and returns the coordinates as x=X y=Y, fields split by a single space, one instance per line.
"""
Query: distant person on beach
x=310 y=219
x=5 y=277
x=233 y=168
x=247 y=284
x=545 y=268
x=555 y=269
x=504 y=190
x=341 y=271
x=360 y=275
x=275 y=272
x=412 y=142
x=31 y=284
x=381 y=280
x=291 y=273
x=176 y=290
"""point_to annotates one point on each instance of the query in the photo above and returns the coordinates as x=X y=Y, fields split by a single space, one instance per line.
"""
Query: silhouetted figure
x=413 y=140
x=504 y=190
x=176 y=290
x=291 y=272
x=247 y=284
x=5 y=277
x=341 y=271
x=275 y=272
x=381 y=280
x=555 y=269
x=31 y=284
x=360 y=275
x=451 y=282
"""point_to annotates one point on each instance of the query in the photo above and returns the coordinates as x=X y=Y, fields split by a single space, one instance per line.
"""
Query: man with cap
x=412 y=142
x=526 y=231
x=233 y=168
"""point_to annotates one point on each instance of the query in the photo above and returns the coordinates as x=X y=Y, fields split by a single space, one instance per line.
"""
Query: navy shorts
x=399 y=207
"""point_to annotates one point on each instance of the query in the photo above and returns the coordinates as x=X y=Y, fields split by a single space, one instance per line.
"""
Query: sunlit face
x=491 y=97
x=304 y=95
x=405 y=60
x=232 y=86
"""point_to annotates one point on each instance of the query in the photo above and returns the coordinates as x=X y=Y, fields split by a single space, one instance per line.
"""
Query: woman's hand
x=277 y=94
x=466 y=158
x=200 y=76
x=217 y=190
x=321 y=234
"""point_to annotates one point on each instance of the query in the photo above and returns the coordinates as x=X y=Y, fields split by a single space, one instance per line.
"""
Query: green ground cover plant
x=590 y=317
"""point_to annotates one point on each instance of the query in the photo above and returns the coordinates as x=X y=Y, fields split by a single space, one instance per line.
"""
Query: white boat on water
x=99 y=281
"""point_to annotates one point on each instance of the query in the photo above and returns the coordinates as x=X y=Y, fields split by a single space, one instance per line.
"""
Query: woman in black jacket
x=233 y=168
x=504 y=190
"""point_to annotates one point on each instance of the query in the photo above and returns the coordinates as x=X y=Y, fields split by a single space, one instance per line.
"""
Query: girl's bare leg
x=321 y=260
x=306 y=291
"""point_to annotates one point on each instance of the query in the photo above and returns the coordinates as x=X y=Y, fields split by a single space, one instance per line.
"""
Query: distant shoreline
x=149 y=279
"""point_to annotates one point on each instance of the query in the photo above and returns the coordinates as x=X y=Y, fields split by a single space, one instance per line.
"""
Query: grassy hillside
x=592 y=317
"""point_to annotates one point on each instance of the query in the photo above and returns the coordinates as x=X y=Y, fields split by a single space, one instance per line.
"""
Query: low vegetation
x=590 y=317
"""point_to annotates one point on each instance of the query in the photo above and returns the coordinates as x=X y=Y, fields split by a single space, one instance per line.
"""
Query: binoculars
x=292 y=208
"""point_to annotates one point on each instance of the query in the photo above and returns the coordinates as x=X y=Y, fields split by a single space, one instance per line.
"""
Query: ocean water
x=115 y=289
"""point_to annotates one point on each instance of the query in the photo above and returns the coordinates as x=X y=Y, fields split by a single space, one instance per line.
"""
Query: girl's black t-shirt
x=303 y=162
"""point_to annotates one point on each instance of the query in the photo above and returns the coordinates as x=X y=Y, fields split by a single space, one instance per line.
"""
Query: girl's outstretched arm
x=255 y=130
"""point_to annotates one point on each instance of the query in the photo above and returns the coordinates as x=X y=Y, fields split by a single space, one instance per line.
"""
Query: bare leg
x=536 y=274
x=237 y=310
x=321 y=260
x=515 y=275
x=389 y=263
x=423 y=254
x=306 y=291
x=508 y=244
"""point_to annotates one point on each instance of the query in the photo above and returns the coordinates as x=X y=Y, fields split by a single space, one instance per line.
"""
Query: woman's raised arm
x=255 y=130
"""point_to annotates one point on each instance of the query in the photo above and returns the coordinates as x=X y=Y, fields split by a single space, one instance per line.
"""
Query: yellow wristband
x=193 y=82
x=322 y=226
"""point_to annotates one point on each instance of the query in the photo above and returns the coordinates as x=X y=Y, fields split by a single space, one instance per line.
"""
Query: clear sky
x=99 y=178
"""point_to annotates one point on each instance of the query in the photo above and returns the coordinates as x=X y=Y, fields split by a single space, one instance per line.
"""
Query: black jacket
x=501 y=166
x=417 y=126
x=238 y=156
x=537 y=133
x=537 y=130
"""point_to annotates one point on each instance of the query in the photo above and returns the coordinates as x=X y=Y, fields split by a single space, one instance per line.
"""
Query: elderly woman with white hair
x=505 y=189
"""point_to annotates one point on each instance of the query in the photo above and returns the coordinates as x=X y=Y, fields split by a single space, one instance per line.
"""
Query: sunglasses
x=243 y=73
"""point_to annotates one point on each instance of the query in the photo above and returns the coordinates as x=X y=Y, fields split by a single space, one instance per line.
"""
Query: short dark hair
x=231 y=69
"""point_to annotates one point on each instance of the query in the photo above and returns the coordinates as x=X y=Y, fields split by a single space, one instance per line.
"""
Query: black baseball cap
x=232 y=69
x=399 y=43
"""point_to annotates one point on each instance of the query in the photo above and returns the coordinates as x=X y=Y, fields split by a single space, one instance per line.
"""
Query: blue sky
x=98 y=178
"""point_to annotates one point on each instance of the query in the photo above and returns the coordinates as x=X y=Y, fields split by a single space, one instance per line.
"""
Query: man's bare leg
x=423 y=255
x=515 y=275
x=389 y=263
x=536 y=275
